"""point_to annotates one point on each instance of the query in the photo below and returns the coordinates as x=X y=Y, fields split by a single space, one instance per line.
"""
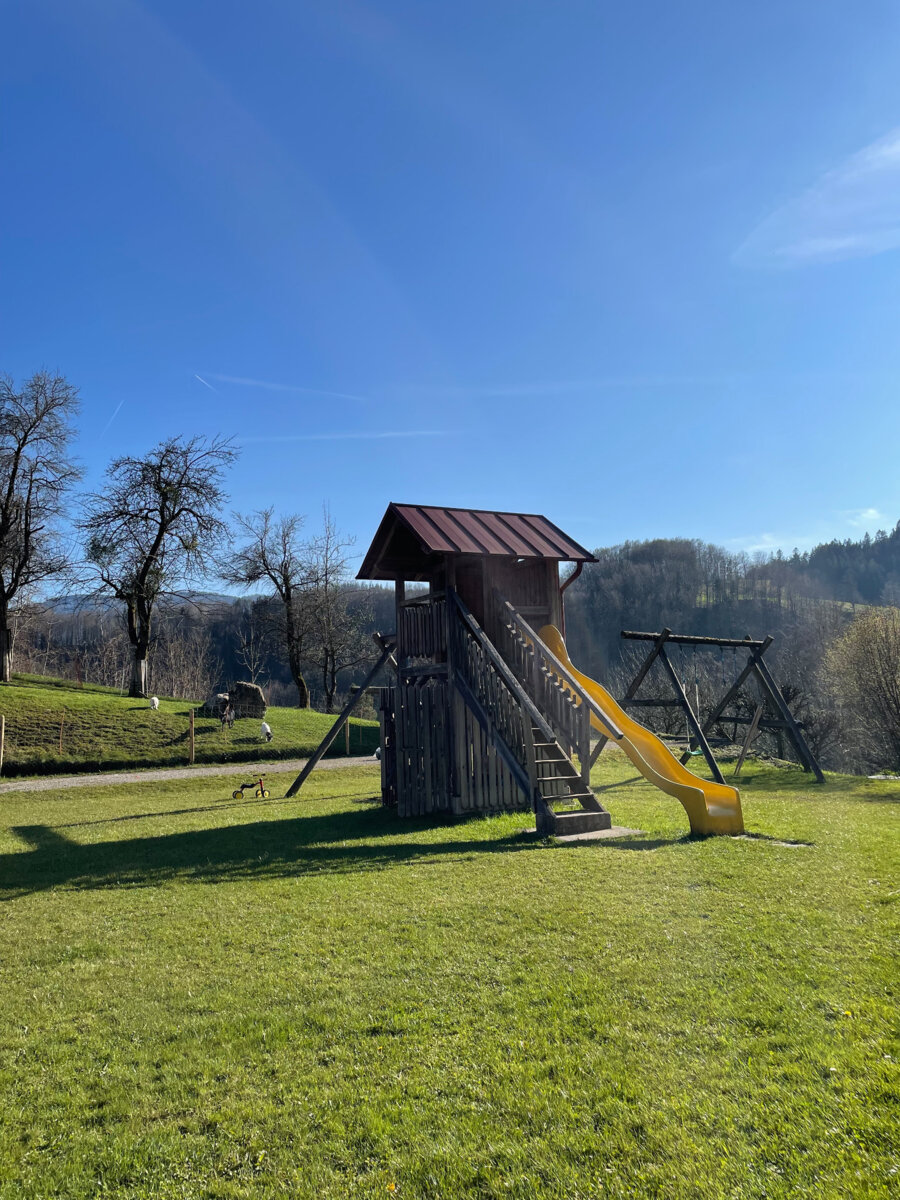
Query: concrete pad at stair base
x=594 y=835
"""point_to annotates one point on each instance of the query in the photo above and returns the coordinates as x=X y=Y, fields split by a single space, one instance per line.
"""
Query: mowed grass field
x=200 y=998
x=53 y=727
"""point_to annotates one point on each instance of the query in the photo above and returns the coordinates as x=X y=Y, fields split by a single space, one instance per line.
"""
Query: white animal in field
x=265 y=732
x=154 y=702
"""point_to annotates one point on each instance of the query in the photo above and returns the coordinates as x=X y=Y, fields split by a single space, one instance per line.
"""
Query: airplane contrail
x=205 y=384
x=113 y=417
x=241 y=381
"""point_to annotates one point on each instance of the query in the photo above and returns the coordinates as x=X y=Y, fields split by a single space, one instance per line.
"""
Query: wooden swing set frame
x=771 y=714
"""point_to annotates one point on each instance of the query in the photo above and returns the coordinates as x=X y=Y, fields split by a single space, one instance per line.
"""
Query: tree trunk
x=329 y=678
x=138 y=688
x=303 y=690
x=5 y=652
x=5 y=641
x=294 y=642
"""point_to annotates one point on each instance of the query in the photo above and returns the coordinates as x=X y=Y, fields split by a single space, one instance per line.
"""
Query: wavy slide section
x=711 y=807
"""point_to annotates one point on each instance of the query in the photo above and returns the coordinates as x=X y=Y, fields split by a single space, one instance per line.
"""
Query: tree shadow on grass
x=344 y=842
x=803 y=786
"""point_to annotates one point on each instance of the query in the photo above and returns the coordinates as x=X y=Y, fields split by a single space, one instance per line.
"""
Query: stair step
x=559 y=778
x=581 y=822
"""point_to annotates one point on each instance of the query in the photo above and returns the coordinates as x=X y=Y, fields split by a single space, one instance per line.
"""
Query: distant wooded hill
x=695 y=587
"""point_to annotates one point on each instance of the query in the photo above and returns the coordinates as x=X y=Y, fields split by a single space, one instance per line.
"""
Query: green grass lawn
x=310 y=998
x=100 y=729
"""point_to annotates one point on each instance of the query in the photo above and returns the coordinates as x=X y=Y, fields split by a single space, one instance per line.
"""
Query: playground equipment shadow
x=344 y=842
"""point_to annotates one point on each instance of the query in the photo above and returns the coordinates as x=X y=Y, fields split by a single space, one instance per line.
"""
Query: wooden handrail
x=499 y=664
x=570 y=681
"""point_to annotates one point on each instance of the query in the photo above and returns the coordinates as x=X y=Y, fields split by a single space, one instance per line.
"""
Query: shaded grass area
x=53 y=727
x=201 y=998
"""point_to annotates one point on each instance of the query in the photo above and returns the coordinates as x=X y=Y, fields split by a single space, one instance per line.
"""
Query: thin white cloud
x=345 y=437
x=768 y=543
x=241 y=381
x=848 y=521
x=852 y=212
x=864 y=518
x=205 y=384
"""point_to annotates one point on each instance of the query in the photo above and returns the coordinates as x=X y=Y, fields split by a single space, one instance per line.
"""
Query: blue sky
x=633 y=266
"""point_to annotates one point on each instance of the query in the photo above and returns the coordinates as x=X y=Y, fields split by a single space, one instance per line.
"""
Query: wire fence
x=49 y=739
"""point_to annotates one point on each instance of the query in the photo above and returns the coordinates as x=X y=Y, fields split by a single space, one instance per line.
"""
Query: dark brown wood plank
x=696 y=731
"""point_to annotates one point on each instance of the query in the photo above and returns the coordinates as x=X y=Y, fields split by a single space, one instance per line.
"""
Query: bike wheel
x=238 y=795
x=266 y=794
x=258 y=793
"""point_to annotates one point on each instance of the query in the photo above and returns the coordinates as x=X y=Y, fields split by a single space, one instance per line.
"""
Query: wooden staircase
x=560 y=729
x=533 y=714
x=567 y=806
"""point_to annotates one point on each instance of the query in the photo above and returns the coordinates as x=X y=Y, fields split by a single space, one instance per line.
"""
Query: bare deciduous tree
x=338 y=640
x=274 y=553
x=184 y=661
x=253 y=634
x=36 y=472
x=864 y=668
x=154 y=528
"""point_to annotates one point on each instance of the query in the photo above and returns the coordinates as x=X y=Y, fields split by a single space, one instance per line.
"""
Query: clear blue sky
x=635 y=266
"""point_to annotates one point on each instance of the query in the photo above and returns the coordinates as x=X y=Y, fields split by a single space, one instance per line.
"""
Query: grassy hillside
x=313 y=999
x=54 y=726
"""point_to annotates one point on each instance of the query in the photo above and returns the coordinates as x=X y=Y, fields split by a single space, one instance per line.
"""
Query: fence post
x=354 y=688
x=62 y=721
x=2 y=740
x=192 y=738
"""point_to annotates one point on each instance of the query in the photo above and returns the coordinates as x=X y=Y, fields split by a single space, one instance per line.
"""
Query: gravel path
x=245 y=770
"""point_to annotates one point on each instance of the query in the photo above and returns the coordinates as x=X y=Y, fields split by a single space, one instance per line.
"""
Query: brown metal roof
x=466 y=531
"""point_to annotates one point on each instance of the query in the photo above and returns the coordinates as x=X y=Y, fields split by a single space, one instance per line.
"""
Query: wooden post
x=347 y=739
x=755 y=655
x=584 y=747
x=770 y=688
x=751 y=733
x=339 y=723
x=62 y=721
x=2 y=740
x=191 y=759
x=697 y=733
x=399 y=600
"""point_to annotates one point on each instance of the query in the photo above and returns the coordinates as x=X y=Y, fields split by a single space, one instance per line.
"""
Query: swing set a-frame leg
x=339 y=724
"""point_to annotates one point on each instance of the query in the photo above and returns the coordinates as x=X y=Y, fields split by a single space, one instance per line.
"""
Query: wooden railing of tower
x=422 y=628
x=553 y=689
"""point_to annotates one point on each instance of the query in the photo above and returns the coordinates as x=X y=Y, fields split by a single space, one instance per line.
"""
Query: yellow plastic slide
x=711 y=807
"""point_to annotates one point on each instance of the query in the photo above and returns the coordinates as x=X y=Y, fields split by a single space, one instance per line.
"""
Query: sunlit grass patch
x=312 y=998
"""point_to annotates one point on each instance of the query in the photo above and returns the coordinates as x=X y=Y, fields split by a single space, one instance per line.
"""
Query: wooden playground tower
x=481 y=717
x=486 y=712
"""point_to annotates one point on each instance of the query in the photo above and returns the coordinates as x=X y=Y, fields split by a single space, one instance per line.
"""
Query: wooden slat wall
x=436 y=756
x=483 y=781
x=416 y=770
x=385 y=702
x=422 y=751
x=422 y=629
